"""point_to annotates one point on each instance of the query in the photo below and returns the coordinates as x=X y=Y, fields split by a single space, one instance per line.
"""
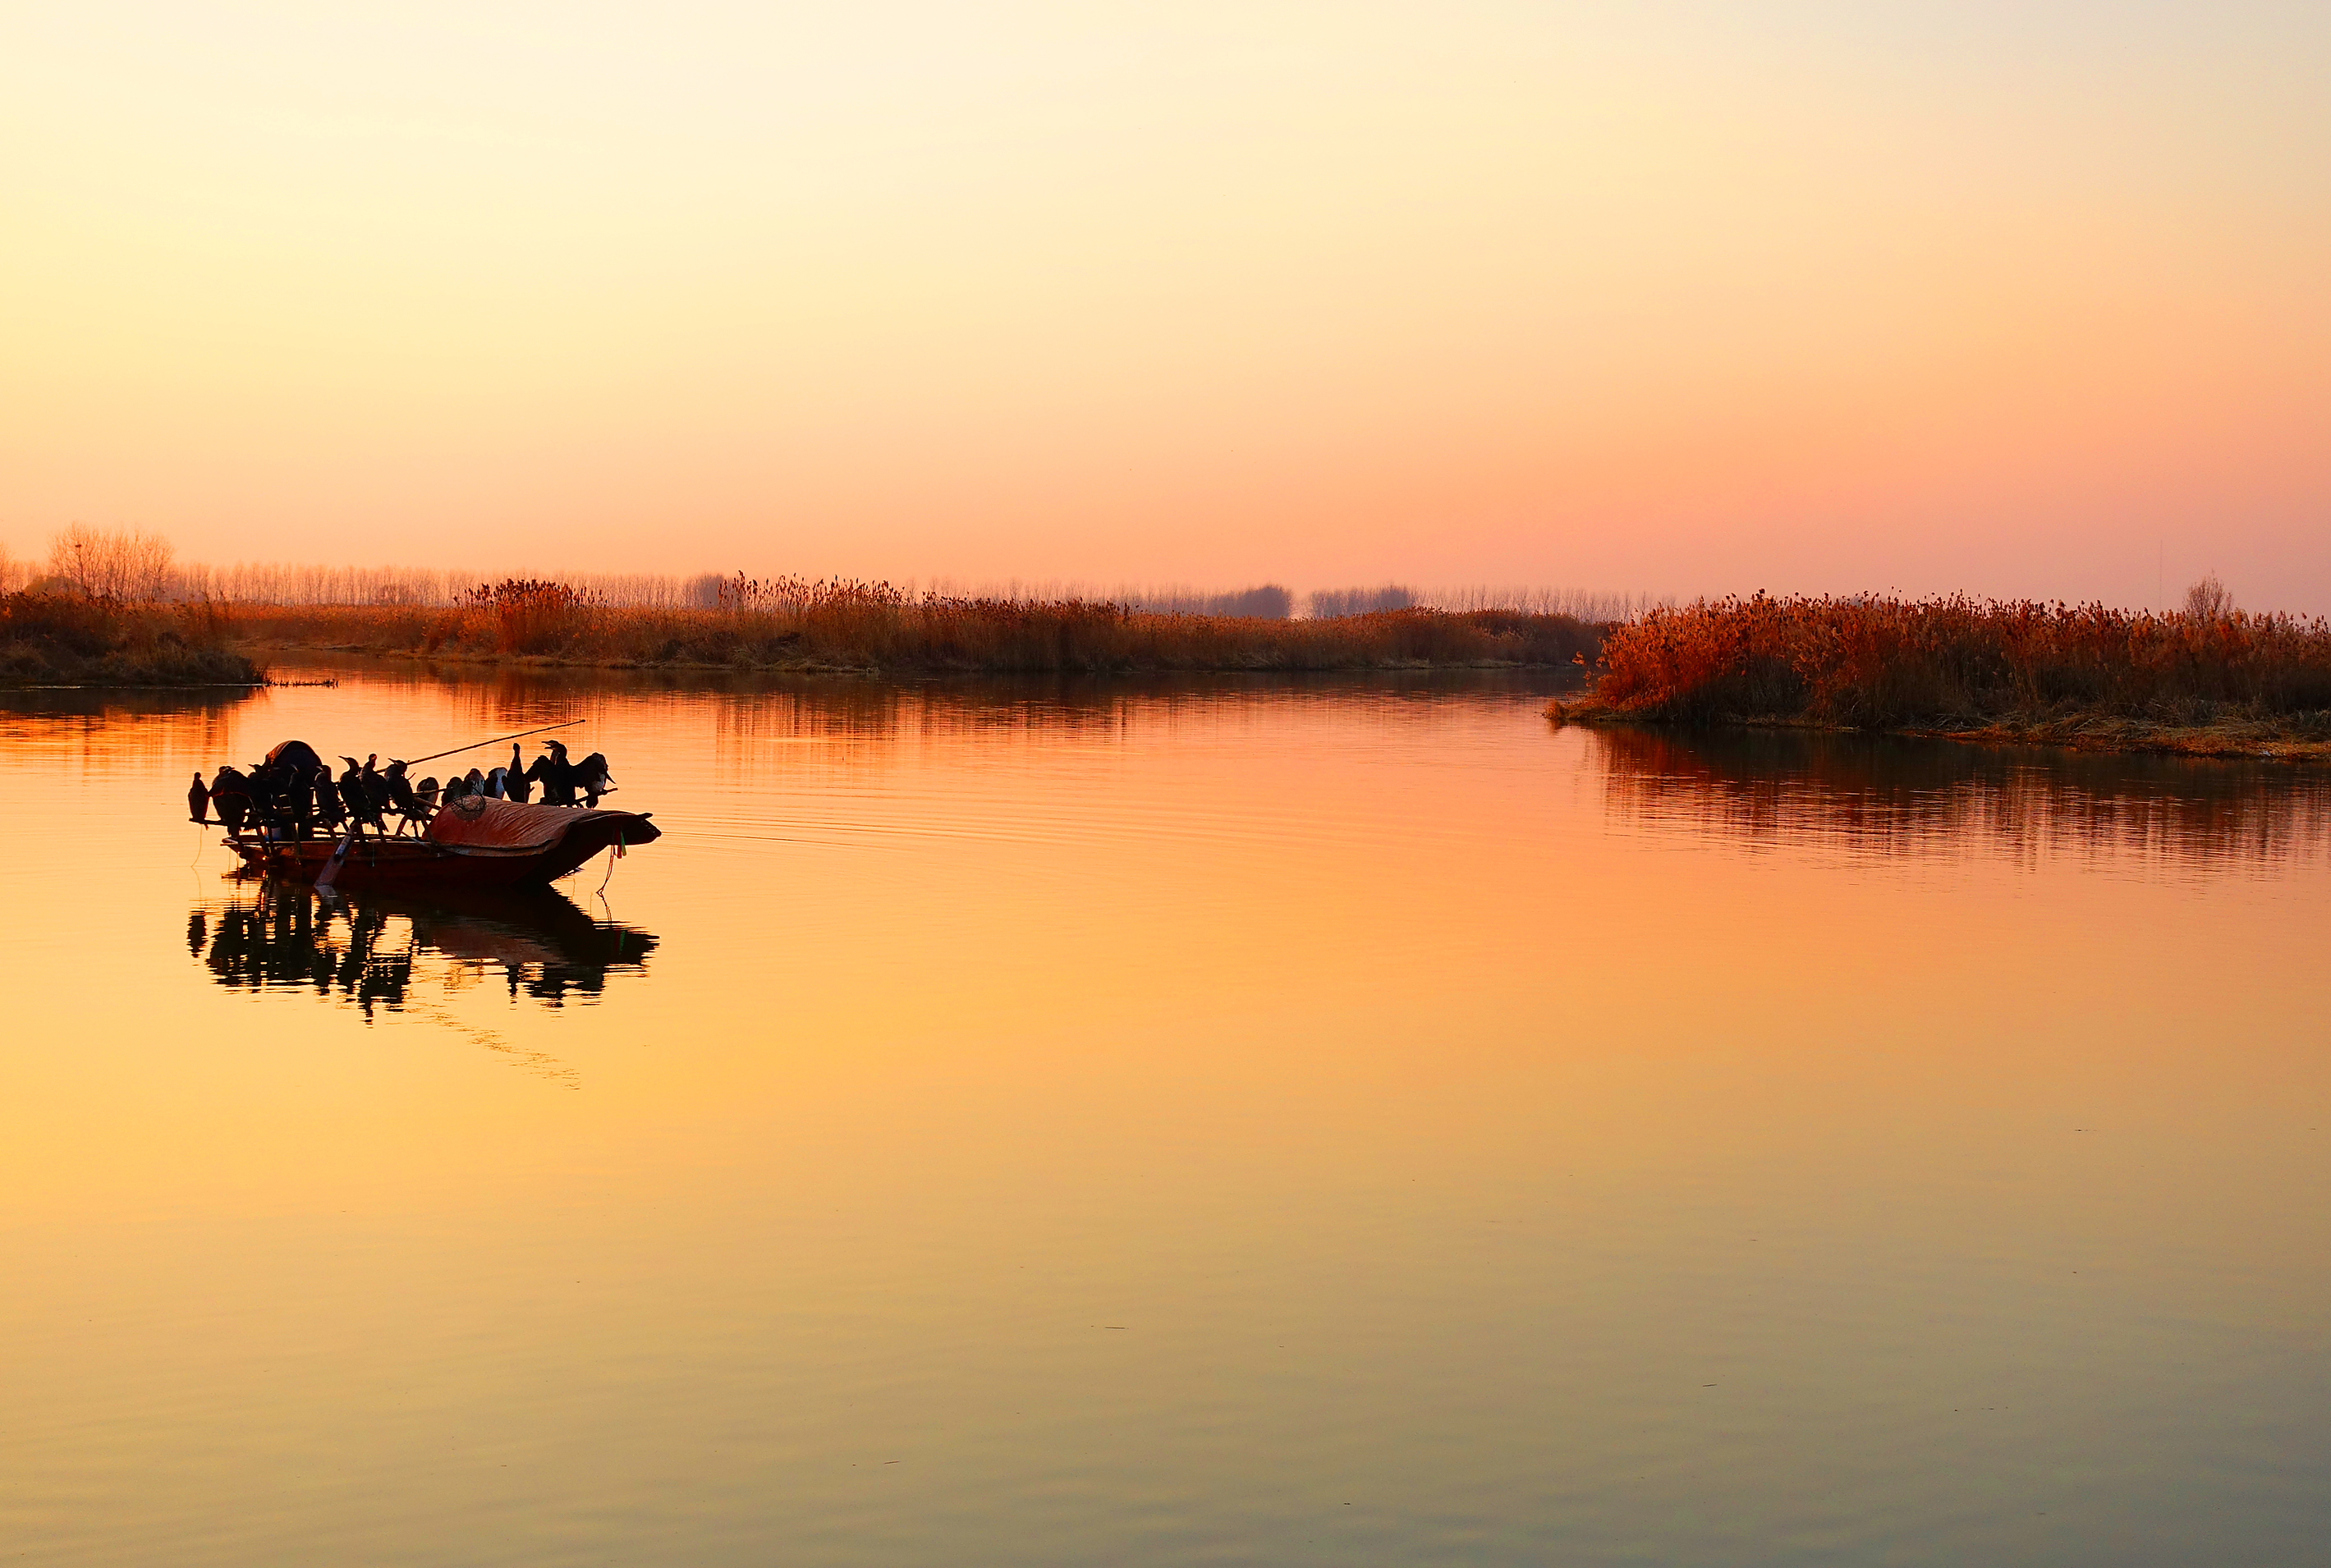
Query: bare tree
x=2208 y=600
x=1331 y=603
x=125 y=565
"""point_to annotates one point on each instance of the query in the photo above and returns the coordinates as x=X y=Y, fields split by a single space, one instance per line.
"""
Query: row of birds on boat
x=294 y=794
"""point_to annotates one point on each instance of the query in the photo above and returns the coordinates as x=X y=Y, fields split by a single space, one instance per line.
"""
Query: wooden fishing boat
x=475 y=842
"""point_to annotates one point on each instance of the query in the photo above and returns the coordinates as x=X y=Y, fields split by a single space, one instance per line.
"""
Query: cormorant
x=516 y=779
x=356 y=798
x=375 y=787
x=591 y=777
x=231 y=793
x=326 y=796
x=400 y=791
x=556 y=773
x=198 y=801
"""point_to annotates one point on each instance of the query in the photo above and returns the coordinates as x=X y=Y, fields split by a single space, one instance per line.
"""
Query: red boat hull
x=416 y=865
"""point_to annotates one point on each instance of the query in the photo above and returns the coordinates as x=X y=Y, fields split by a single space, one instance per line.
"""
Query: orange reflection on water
x=1439 y=1101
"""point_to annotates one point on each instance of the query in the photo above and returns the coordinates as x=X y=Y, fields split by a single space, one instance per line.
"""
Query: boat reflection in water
x=375 y=951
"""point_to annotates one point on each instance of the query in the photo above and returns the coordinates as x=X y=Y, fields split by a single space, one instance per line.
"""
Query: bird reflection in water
x=375 y=951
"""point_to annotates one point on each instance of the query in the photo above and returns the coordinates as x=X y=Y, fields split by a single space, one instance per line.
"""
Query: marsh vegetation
x=2209 y=679
x=792 y=624
x=47 y=640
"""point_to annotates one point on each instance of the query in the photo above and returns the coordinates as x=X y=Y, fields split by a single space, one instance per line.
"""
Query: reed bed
x=62 y=639
x=1958 y=663
x=787 y=623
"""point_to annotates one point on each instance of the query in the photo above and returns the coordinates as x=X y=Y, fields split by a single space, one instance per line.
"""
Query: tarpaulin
x=481 y=824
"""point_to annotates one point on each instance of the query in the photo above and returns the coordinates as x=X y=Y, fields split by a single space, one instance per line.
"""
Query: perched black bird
x=375 y=787
x=400 y=791
x=425 y=791
x=591 y=777
x=279 y=796
x=198 y=801
x=231 y=793
x=259 y=797
x=326 y=796
x=355 y=798
x=515 y=780
x=556 y=773
x=497 y=783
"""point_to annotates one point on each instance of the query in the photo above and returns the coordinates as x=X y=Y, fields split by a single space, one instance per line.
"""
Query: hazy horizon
x=1681 y=299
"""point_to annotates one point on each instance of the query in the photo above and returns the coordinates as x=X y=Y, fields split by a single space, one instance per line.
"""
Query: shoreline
x=901 y=670
x=203 y=672
x=2228 y=740
x=851 y=630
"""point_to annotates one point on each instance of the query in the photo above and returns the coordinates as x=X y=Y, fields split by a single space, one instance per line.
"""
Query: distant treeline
x=123 y=597
x=136 y=566
x=791 y=623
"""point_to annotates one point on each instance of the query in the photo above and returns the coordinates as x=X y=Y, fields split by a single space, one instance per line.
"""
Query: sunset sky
x=1683 y=298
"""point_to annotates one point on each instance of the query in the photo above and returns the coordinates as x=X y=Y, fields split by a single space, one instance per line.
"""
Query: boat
x=473 y=843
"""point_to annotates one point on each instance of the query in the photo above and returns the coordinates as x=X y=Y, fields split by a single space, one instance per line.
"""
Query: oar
x=489 y=740
x=332 y=872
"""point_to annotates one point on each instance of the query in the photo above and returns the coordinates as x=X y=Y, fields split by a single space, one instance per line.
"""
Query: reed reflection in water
x=1880 y=795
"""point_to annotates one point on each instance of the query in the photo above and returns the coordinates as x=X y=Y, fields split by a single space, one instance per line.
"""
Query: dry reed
x=71 y=638
x=1882 y=663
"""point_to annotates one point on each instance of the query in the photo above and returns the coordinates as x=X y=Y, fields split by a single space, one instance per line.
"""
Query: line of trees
x=133 y=566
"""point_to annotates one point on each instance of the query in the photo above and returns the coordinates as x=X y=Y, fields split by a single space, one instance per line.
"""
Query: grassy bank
x=66 y=640
x=2222 y=684
x=874 y=628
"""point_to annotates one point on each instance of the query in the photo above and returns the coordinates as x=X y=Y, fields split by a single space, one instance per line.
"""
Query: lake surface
x=1216 y=1123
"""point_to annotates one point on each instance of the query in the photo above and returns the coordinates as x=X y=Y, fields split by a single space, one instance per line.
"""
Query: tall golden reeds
x=1895 y=663
x=75 y=639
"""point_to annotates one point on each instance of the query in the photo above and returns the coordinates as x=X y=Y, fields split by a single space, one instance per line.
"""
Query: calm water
x=1216 y=1123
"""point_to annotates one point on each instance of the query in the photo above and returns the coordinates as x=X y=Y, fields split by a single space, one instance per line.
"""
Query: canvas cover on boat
x=481 y=824
x=296 y=753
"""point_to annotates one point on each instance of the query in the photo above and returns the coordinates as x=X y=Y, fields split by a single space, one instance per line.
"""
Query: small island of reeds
x=2209 y=680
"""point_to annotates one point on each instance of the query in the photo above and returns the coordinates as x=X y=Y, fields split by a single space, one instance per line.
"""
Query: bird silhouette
x=400 y=794
x=326 y=797
x=231 y=793
x=516 y=780
x=376 y=790
x=590 y=776
x=556 y=773
x=356 y=798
